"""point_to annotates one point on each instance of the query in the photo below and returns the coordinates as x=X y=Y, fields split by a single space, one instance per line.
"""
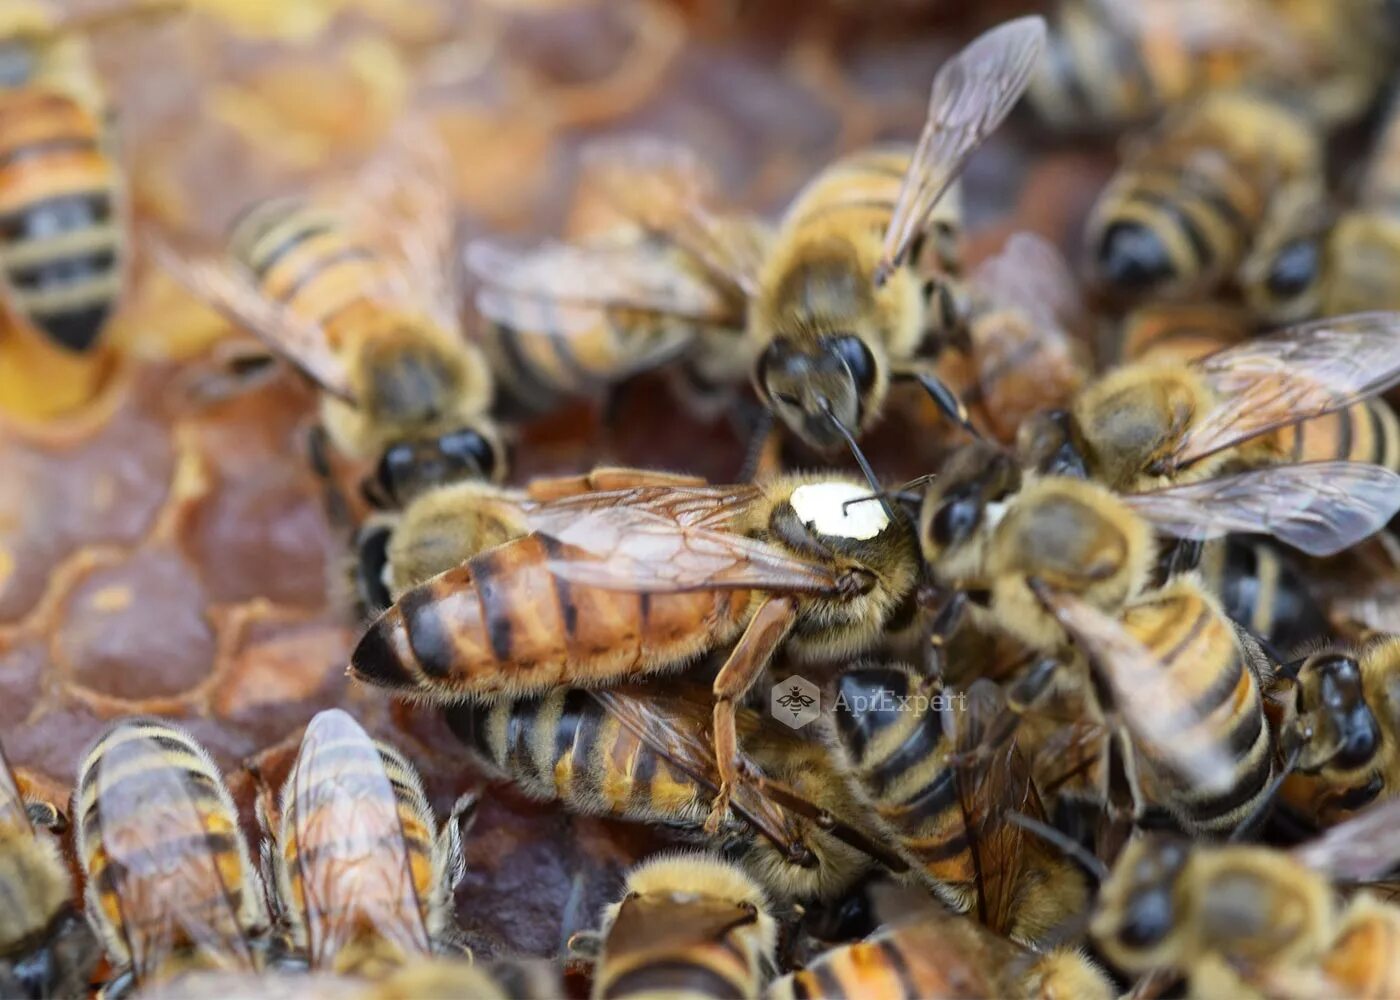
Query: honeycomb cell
x=137 y=629
x=24 y=662
x=279 y=675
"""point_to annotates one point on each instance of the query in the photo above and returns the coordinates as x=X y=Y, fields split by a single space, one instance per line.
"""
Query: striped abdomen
x=1179 y=332
x=62 y=243
x=1363 y=432
x=565 y=746
x=897 y=755
x=1259 y=587
x=1221 y=702
x=504 y=623
x=159 y=842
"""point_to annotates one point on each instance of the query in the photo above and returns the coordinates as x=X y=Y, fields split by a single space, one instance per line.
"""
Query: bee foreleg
x=943 y=397
x=765 y=632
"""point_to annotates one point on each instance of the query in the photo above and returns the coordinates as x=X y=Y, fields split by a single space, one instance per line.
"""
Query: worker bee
x=602 y=590
x=898 y=738
x=170 y=885
x=1025 y=332
x=570 y=320
x=1238 y=920
x=934 y=955
x=642 y=754
x=446 y=526
x=363 y=871
x=358 y=301
x=1113 y=63
x=47 y=948
x=1061 y=559
x=686 y=925
x=1338 y=720
x=1184 y=209
x=63 y=214
x=1259 y=401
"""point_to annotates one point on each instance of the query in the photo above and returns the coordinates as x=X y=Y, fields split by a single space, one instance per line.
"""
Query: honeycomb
x=160 y=557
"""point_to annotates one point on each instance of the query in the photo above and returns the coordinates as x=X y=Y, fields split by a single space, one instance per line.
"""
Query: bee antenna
x=866 y=470
x=1265 y=805
x=1068 y=846
x=824 y=820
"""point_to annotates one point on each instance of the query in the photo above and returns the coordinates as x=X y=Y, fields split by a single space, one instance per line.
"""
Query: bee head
x=973 y=477
x=409 y=467
x=1331 y=693
x=814 y=385
x=1140 y=908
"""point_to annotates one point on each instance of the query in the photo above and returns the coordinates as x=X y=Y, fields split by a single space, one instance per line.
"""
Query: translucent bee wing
x=1320 y=508
x=172 y=891
x=1302 y=372
x=1030 y=274
x=1365 y=847
x=972 y=94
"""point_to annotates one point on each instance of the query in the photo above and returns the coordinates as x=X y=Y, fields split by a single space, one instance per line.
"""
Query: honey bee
x=569 y=320
x=642 y=754
x=446 y=526
x=1025 y=331
x=48 y=949
x=1239 y=920
x=170 y=885
x=601 y=591
x=1260 y=401
x=358 y=301
x=687 y=925
x=364 y=872
x=898 y=739
x=1113 y=63
x=63 y=211
x=1062 y=560
x=1183 y=211
x=936 y=955
x=1339 y=721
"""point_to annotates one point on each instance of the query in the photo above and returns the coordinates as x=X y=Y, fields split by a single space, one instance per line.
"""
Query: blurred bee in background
x=446 y=526
x=46 y=948
x=170 y=885
x=1112 y=63
x=63 y=201
x=934 y=955
x=364 y=873
x=1191 y=196
x=573 y=320
x=1236 y=919
x=602 y=590
x=686 y=925
x=1026 y=330
x=642 y=753
x=899 y=744
x=1261 y=587
x=1148 y=425
x=1339 y=718
x=358 y=299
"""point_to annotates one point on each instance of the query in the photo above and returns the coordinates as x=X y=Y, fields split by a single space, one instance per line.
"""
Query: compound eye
x=395 y=470
x=858 y=359
x=956 y=520
x=1293 y=270
x=1148 y=919
x=470 y=450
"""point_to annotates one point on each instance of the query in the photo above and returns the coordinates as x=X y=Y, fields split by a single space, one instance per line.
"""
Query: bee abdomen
x=61 y=245
x=1366 y=431
x=503 y=621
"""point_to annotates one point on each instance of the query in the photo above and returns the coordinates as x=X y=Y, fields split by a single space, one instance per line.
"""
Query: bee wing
x=13 y=812
x=1365 y=847
x=166 y=877
x=225 y=287
x=677 y=726
x=1032 y=275
x=351 y=856
x=1320 y=508
x=972 y=93
x=1150 y=704
x=689 y=506
x=663 y=187
x=1301 y=372
x=638 y=549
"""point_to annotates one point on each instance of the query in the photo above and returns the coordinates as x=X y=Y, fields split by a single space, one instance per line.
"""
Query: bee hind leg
x=947 y=401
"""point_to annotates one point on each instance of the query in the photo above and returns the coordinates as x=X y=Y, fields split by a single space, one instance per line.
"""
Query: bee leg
x=1021 y=696
x=943 y=397
x=318 y=450
x=944 y=625
x=765 y=632
x=763 y=456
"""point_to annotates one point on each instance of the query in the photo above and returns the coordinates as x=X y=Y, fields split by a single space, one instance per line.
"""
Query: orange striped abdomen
x=504 y=623
x=61 y=239
x=1363 y=432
